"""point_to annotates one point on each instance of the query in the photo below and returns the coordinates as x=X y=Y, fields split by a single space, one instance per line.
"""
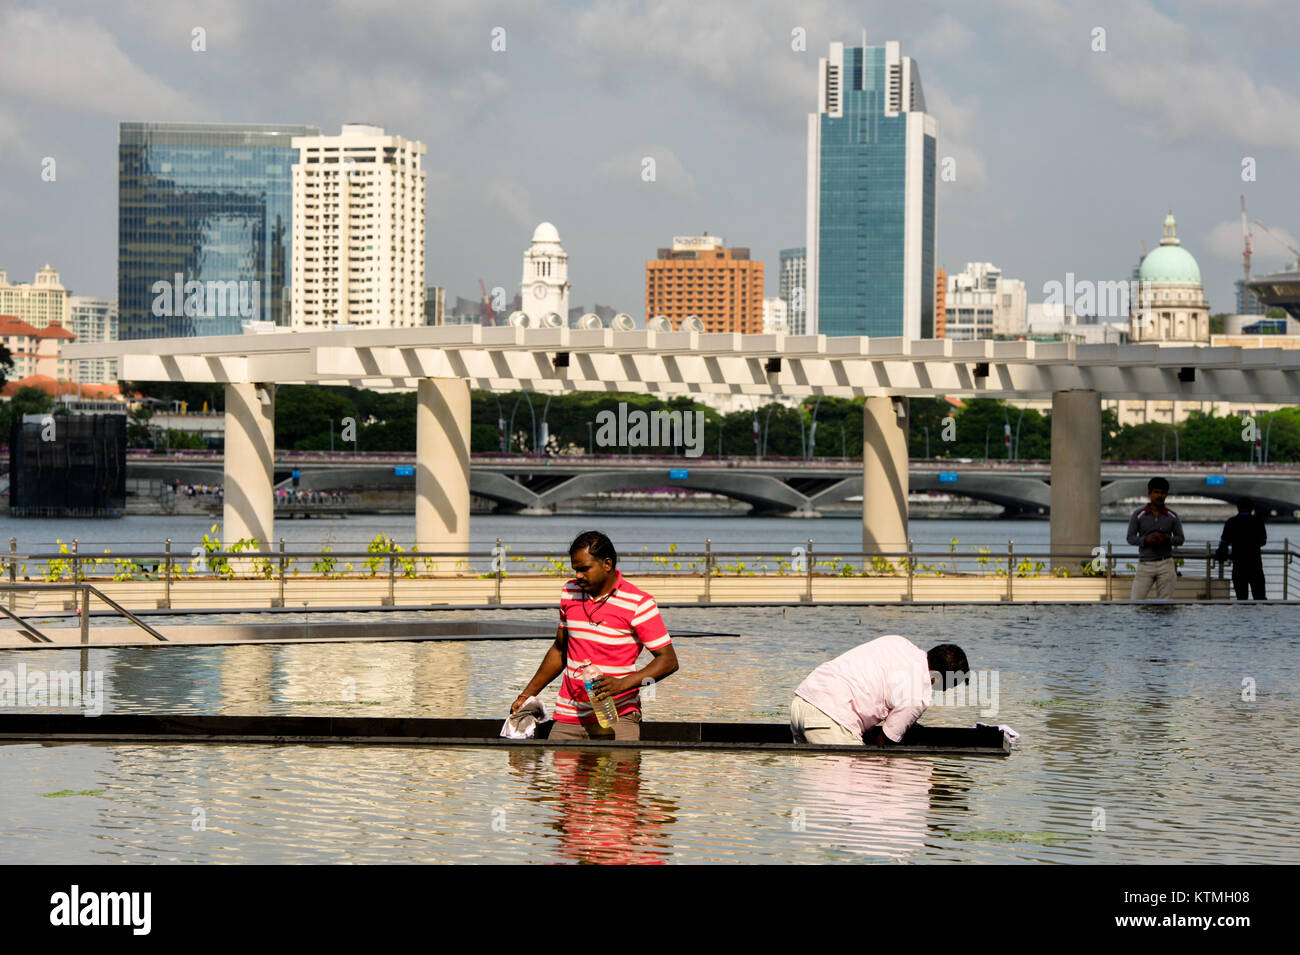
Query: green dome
x=1169 y=263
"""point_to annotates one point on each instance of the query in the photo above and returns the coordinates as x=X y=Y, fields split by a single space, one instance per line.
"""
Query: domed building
x=1170 y=305
x=545 y=285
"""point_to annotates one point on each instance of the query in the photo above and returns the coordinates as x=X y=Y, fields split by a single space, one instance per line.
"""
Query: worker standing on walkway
x=1155 y=531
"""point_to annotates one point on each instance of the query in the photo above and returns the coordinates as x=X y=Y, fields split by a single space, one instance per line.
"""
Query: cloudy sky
x=1066 y=156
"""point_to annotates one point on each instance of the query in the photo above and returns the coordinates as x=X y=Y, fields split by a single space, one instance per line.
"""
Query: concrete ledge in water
x=232 y=634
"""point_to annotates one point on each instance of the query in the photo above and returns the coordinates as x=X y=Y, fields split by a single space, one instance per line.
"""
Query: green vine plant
x=324 y=564
x=57 y=569
x=383 y=544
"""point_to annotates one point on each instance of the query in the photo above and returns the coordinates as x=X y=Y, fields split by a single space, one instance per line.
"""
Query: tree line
x=307 y=416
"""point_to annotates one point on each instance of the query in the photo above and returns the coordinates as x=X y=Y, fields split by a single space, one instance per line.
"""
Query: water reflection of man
x=869 y=807
x=603 y=816
x=873 y=693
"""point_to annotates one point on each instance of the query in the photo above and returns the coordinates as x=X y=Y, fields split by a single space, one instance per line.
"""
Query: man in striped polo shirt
x=608 y=621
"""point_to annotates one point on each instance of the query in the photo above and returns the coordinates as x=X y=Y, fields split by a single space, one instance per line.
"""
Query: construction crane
x=1245 y=238
x=486 y=316
x=1280 y=240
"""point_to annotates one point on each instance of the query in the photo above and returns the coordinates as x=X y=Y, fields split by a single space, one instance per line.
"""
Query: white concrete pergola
x=443 y=363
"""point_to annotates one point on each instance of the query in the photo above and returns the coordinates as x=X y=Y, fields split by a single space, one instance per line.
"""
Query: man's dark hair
x=1158 y=484
x=597 y=545
x=948 y=661
x=1245 y=505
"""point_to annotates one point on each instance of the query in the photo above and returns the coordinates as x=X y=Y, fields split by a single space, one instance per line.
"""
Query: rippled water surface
x=1137 y=747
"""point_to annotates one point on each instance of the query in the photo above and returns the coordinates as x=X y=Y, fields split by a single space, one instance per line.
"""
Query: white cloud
x=944 y=37
x=52 y=61
x=669 y=173
x=1269 y=246
x=707 y=47
x=1224 y=239
x=958 y=123
x=513 y=200
x=1176 y=82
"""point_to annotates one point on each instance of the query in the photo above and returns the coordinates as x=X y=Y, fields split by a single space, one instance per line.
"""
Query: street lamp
x=501 y=423
x=767 y=426
x=1016 y=453
x=1267 y=429
x=589 y=452
x=926 y=429
x=545 y=438
x=812 y=428
x=987 y=429
x=532 y=414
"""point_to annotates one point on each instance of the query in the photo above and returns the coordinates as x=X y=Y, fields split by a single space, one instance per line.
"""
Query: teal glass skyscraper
x=205 y=222
x=872 y=166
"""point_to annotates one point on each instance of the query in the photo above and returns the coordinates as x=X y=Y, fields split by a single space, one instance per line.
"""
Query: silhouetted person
x=1245 y=535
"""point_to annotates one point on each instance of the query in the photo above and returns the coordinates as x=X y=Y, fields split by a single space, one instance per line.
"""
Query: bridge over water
x=795 y=488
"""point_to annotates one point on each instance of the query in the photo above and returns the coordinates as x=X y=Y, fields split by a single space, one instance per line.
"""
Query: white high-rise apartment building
x=40 y=304
x=776 y=317
x=982 y=304
x=94 y=320
x=358 y=230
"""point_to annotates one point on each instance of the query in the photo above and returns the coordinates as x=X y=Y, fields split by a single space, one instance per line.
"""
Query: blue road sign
x=1215 y=480
x=404 y=470
x=679 y=474
x=947 y=477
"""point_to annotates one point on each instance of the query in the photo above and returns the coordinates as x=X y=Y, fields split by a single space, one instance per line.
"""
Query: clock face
x=539 y=290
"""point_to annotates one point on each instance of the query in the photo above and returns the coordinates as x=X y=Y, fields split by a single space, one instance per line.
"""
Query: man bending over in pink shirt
x=873 y=693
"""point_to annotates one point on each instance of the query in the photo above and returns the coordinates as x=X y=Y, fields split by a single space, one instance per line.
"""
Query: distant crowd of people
x=196 y=490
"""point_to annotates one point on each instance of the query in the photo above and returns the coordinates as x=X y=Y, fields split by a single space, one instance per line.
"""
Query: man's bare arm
x=552 y=666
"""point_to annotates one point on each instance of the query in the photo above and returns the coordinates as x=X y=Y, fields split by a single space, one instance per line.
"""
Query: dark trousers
x=1248 y=577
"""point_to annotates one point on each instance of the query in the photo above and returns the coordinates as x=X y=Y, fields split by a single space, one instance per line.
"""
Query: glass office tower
x=205 y=213
x=793 y=289
x=872 y=164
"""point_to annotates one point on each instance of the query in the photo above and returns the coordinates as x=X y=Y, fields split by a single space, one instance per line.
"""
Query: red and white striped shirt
x=610 y=632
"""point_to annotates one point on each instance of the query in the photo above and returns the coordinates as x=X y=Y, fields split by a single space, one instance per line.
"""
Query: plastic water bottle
x=601 y=703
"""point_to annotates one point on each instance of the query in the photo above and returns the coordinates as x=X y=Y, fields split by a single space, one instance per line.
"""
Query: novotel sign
x=685 y=242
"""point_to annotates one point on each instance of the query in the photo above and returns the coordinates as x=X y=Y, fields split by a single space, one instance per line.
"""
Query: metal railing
x=70 y=568
x=81 y=600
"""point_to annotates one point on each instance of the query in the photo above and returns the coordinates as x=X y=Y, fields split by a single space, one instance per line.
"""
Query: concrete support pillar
x=884 y=475
x=1076 y=477
x=249 y=508
x=442 y=465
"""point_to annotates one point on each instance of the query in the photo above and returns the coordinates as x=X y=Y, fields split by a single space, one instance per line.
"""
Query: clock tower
x=545 y=285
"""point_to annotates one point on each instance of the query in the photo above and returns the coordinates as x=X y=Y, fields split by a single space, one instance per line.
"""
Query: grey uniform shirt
x=1145 y=521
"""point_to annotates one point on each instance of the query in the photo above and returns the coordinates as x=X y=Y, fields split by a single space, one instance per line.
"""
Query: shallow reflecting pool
x=1149 y=734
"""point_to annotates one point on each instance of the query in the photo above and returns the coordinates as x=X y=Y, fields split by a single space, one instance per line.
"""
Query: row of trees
x=309 y=417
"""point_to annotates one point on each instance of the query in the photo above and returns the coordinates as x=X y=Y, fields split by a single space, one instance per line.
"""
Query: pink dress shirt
x=886 y=681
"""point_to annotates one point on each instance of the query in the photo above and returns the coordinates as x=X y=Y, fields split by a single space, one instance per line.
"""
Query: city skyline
x=548 y=128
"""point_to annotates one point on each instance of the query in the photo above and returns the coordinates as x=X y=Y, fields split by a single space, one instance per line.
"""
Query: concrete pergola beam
x=442 y=363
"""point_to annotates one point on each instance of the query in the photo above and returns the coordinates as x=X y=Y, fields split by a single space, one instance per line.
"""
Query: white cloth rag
x=1007 y=731
x=523 y=724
